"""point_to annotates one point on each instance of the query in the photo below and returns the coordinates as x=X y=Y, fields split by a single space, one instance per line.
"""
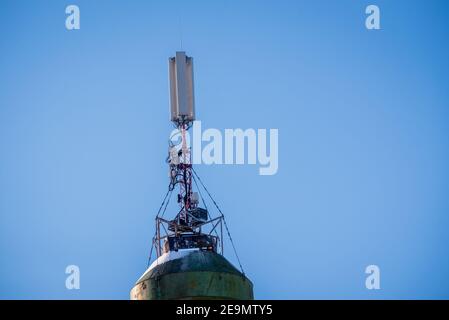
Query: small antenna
x=180 y=33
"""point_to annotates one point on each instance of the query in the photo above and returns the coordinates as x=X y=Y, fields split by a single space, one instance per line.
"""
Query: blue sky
x=363 y=121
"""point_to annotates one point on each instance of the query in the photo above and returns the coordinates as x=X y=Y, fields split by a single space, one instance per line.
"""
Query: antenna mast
x=189 y=245
x=186 y=230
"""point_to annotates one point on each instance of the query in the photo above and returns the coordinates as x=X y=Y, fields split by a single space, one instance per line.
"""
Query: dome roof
x=192 y=274
x=188 y=261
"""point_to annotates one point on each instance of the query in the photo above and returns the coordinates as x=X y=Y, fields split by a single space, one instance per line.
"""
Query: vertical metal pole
x=184 y=143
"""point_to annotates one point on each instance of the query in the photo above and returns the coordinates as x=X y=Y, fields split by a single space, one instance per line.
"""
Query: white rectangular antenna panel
x=182 y=100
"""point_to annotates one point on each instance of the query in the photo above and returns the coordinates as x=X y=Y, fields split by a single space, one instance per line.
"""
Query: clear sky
x=363 y=119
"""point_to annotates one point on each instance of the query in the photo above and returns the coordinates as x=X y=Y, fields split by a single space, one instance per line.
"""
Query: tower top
x=182 y=100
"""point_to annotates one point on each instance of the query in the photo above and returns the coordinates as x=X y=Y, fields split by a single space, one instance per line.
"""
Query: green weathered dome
x=192 y=275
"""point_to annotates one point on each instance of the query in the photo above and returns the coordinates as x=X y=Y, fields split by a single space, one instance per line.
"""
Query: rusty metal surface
x=194 y=285
x=202 y=275
x=195 y=261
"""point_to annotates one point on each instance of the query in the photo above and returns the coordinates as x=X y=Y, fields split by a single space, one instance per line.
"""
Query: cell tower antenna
x=185 y=230
x=189 y=245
